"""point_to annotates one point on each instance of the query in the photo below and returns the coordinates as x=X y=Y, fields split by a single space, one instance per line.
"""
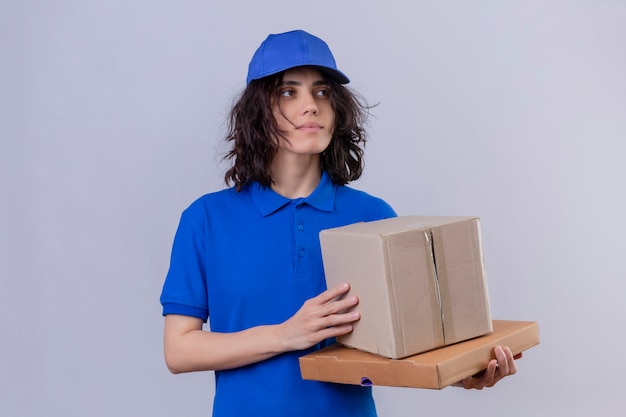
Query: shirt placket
x=302 y=242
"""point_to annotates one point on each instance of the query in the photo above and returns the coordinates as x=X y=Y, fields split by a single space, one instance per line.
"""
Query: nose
x=309 y=105
x=312 y=109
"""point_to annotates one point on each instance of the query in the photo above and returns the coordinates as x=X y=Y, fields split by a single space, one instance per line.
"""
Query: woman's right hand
x=327 y=315
x=189 y=348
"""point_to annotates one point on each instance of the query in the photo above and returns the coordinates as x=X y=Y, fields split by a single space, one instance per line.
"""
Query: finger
x=482 y=379
x=333 y=293
x=335 y=320
x=503 y=360
x=510 y=360
x=342 y=319
x=334 y=331
x=467 y=383
x=342 y=305
x=489 y=378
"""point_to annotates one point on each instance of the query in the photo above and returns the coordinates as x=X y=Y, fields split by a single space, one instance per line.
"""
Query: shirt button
x=301 y=252
x=300 y=227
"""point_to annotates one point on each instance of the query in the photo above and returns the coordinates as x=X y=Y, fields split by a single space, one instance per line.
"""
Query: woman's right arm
x=188 y=348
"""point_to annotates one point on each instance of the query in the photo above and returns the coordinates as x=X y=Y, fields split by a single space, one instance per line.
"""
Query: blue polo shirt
x=250 y=258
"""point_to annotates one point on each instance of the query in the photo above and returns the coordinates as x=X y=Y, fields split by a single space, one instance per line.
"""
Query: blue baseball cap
x=280 y=52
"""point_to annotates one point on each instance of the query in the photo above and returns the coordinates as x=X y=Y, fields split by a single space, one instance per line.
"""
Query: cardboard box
x=420 y=281
x=435 y=369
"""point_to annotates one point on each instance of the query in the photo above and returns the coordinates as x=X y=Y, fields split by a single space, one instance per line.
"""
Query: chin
x=308 y=149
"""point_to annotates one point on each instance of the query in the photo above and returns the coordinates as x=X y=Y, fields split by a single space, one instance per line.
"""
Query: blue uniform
x=250 y=258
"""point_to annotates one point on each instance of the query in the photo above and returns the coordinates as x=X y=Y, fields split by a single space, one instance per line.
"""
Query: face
x=303 y=112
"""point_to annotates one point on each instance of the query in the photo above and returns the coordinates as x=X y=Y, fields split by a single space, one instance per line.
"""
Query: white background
x=111 y=119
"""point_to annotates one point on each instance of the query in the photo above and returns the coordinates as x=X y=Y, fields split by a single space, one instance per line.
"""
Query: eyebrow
x=298 y=83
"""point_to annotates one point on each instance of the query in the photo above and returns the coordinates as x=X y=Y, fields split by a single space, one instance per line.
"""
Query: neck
x=296 y=177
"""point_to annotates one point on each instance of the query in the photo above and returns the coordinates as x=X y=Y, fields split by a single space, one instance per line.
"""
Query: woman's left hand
x=503 y=365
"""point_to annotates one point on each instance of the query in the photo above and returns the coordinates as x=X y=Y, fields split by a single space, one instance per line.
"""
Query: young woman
x=248 y=258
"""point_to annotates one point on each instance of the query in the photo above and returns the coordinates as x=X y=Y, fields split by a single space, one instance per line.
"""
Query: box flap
x=415 y=309
x=461 y=278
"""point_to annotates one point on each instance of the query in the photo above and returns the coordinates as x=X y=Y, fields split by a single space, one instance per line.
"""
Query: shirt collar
x=268 y=201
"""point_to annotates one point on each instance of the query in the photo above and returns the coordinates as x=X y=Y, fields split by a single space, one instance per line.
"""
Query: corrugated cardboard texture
x=435 y=369
x=420 y=281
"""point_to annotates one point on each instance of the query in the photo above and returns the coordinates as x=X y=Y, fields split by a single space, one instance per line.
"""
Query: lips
x=309 y=127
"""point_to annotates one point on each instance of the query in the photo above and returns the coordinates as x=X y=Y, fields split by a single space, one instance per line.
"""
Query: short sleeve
x=185 y=290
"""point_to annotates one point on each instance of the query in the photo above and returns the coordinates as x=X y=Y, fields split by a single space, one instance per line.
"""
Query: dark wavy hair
x=253 y=133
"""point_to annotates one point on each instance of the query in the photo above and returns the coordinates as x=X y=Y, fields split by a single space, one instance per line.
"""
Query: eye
x=287 y=92
x=322 y=92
